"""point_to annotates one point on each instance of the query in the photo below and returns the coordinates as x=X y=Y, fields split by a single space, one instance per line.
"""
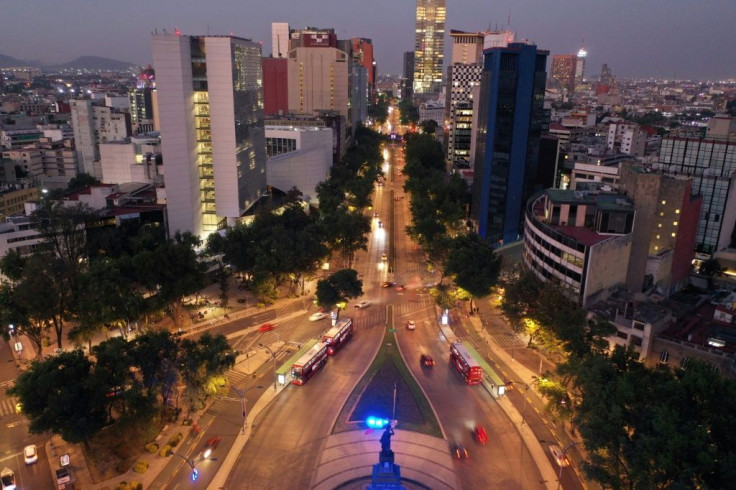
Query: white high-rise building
x=279 y=39
x=210 y=105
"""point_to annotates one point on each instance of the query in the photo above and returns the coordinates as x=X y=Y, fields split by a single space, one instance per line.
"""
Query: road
x=15 y=432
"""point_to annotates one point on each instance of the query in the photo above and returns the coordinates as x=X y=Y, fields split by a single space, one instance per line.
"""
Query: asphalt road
x=14 y=432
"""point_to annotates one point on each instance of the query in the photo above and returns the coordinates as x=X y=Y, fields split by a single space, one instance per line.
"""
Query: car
x=384 y=257
x=558 y=455
x=8 y=479
x=459 y=451
x=375 y=214
x=212 y=442
x=410 y=325
x=19 y=407
x=480 y=434
x=317 y=316
x=400 y=287
x=363 y=304
x=426 y=360
x=380 y=223
x=266 y=327
x=387 y=284
x=30 y=454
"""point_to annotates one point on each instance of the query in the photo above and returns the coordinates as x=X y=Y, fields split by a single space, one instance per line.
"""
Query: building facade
x=318 y=73
x=275 y=86
x=510 y=120
x=562 y=76
x=711 y=162
x=579 y=240
x=429 y=46
x=210 y=100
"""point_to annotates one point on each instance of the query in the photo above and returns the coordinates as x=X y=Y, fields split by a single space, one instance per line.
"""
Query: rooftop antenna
x=508 y=20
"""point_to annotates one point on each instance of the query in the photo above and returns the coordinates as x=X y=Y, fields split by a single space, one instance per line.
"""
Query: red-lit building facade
x=275 y=86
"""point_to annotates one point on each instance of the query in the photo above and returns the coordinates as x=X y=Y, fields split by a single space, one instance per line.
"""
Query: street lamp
x=273 y=355
x=242 y=393
x=526 y=398
x=193 y=462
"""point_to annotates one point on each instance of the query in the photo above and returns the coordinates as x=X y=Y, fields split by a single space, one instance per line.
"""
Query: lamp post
x=241 y=394
x=273 y=356
x=193 y=462
x=564 y=452
x=526 y=398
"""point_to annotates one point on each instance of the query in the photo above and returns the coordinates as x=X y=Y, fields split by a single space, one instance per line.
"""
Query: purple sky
x=637 y=38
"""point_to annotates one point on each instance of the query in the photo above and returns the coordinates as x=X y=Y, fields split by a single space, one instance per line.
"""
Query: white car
x=8 y=479
x=410 y=325
x=30 y=454
x=558 y=455
x=384 y=257
x=317 y=316
x=363 y=304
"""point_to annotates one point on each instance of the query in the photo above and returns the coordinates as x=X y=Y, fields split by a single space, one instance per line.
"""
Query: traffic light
x=376 y=422
x=195 y=474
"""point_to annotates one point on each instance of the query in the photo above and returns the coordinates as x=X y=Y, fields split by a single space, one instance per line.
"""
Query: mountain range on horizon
x=83 y=62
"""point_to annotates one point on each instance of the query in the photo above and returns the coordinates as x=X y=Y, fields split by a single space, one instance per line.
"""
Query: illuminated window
x=664 y=203
x=673 y=235
x=661 y=213
x=677 y=211
x=659 y=225
x=657 y=237
x=674 y=223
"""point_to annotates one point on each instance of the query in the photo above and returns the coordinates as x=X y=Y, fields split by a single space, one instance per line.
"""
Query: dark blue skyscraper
x=511 y=119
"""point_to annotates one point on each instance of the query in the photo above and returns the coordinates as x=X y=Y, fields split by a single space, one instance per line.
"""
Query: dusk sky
x=650 y=38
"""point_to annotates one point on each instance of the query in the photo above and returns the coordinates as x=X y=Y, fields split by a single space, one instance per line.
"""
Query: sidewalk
x=56 y=447
x=524 y=376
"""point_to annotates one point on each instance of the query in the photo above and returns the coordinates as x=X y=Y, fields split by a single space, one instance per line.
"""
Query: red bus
x=309 y=364
x=338 y=335
x=466 y=364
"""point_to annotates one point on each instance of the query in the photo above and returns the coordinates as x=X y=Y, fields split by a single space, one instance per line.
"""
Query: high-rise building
x=429 y=46
x=94 y=124
x=408 y=75
x=279 y=39
x=210 y=102
x=606 y=75
x=580 y=65
x=318 y=72
x=362 y=50
x=510 y=120
x=462 y=77
x=275 y=86
x=711 y=161
x=563 y=73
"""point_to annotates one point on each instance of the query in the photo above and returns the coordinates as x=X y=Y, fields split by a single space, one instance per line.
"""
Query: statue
x=386 y=439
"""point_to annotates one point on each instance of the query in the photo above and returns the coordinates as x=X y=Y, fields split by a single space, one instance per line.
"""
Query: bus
x=309 y=364
x=466 y=364
x=338 y=335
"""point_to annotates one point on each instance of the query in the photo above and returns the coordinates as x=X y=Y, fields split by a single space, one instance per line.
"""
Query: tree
x=474 y=265
x=200 y=363
x=155 y=356
x=61 y=395
x=113 y=370
x=338 y=288
x=81 y=181
x=429 y=126
x=173 y=271
x=409 y=112
x=348 y=232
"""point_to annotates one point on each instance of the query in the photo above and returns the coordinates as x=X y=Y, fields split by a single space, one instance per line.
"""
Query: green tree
x=113 y=370
x=155 y=356
x=61 y=395
x=429 y=126
x=338 y=288
x=474 y=265
x=200 y=363
x=409 y=112
x=173 y=271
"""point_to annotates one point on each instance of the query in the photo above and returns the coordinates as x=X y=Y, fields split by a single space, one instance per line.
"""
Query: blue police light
x=376 y=422
x=195 y=474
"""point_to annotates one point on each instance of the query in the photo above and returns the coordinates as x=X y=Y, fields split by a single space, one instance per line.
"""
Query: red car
x=400 y=287
x=480 y=434
x=266 y=327
x=426 y=360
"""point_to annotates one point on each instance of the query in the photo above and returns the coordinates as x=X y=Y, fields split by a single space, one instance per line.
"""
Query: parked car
x=363 y=304
x=426 y=360
x=30 y=454
x=317 y=316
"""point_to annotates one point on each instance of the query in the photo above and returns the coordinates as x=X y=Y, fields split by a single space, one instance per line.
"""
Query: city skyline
x=660 y=39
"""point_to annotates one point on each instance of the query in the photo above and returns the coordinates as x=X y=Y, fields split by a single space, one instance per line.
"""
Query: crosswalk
x=7 y=407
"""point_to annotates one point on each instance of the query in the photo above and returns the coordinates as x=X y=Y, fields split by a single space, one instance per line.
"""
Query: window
x=664 y=357
x=635 y=341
